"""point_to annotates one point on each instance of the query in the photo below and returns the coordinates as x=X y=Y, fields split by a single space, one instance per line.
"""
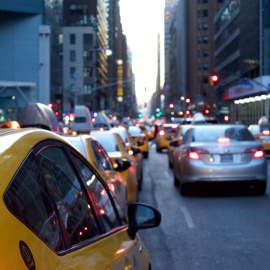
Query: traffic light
x=171 y=106
x=188 y=100
x=206 y=111
x=213 y=80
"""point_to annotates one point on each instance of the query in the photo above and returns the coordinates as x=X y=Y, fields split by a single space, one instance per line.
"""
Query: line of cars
x=225 y=156
x=61 y=211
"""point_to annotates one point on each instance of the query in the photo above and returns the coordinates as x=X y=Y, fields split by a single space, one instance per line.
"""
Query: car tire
x=184 y=189
x=145 y=154
x=261 y=188
x=175 y=180
x=170 y=164
x=158 y=149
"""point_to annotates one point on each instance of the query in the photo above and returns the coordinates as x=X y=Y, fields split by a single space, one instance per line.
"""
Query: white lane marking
x=188 y=217
x=167 y=175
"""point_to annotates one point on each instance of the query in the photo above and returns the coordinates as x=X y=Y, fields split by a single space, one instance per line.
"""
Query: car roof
x=14 y=141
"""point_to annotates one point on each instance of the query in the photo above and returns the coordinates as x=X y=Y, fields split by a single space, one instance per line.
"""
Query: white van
x=82 y=120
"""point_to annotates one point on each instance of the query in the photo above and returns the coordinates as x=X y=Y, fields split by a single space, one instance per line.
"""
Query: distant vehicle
x=82 y=120
x=262 y=133
x=219 y=154
x=97 y=156
x=176 y=141
x=165 y=135
x=140 y=139
x=123 y=161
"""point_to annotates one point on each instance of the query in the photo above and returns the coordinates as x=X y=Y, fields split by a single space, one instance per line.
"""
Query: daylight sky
x=142 y=21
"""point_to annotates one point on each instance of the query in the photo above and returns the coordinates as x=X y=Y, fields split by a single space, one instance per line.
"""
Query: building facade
x=25 y=56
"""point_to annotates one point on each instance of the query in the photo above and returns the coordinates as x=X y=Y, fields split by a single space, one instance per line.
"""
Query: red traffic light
x=171 y=105
x=206 y=111
x=215 y=78
x=187 y=100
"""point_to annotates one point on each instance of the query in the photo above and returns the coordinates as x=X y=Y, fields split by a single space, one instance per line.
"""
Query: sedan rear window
x=234 y=133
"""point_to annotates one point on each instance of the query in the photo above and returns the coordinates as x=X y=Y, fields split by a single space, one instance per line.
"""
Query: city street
x=203 y=232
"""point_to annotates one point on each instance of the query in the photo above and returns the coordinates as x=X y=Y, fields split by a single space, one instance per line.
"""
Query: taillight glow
x=257 y=152
x=194 y=153
x=162 y=132
x=224 y=140
x=266 y=132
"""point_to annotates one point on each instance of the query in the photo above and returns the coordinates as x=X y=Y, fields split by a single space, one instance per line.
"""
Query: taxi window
x=99 y=195
x=27 y=199
x=69 y=195
x=103 y=160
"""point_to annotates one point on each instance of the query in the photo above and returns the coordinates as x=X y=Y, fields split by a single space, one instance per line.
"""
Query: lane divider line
x=188 y=217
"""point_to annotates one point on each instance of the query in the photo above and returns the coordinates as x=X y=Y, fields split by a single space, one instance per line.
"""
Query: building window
x=87 y=88
x=200 y=66
x=205 y=26
x=72 y=39
x=205 y=66
x=199 y=13
x=205 y=39
x=87 y=56
x=60 y=39
x=205 y=1
x=87 y=72
x=205 y=53
x=200 y=40
x=205 y=79
x=205 y=13
x=72 y=56
x=199 y=26
x=88 y=39
x=73 y=72
x=78 y=9
x=199 y=53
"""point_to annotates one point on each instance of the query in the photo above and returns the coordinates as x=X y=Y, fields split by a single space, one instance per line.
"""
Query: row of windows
x=202 y=13
x=87 y=39
x=203 y=66
x=206 y=1
x=203 y=40
x=87 y=56
x=87 y=72
x=203 y=26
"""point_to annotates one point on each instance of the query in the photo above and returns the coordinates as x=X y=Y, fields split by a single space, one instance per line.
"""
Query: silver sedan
x=220 y=154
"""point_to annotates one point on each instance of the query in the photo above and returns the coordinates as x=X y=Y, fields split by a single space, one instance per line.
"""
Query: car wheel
x=176 y=181
x=145 y=154
x=170 y=164
x=261 y=188
x=184 y=189
x=158 y=149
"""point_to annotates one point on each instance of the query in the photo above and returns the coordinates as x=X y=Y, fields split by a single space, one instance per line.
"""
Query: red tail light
x=257 y=152
x=162 y=132
x=194 y=153
x=266 y=132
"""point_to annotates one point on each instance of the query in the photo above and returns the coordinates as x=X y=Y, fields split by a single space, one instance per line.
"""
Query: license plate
x=226 y=158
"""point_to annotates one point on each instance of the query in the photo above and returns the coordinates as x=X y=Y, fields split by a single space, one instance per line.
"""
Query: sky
x=142 y=21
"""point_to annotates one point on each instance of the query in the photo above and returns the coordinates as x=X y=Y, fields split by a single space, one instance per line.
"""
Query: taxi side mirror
x=142 y=216
x=175 y=143
x=135 y=150
x=122 y=165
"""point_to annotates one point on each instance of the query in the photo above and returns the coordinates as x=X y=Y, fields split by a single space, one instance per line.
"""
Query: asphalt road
x=203 y=232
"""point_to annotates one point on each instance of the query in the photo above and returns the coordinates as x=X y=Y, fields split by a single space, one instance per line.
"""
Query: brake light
x=194 y=153
x=162 y=132
x=174 y=126
x=257 y=152
x=266 y=132
x=223 y=141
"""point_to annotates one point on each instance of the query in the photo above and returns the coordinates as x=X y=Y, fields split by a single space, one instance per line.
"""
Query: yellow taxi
x=133 y=150
x=175 y=142
x=97 y=156
x=262 y=133
x=58 y=213
x=148 y=131
x=123 y=161
x=140 y=139
x=165 y=135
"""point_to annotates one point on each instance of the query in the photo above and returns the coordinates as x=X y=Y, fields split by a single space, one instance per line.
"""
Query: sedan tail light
x=194 y=153
x=162 y=132
x=256 y=151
